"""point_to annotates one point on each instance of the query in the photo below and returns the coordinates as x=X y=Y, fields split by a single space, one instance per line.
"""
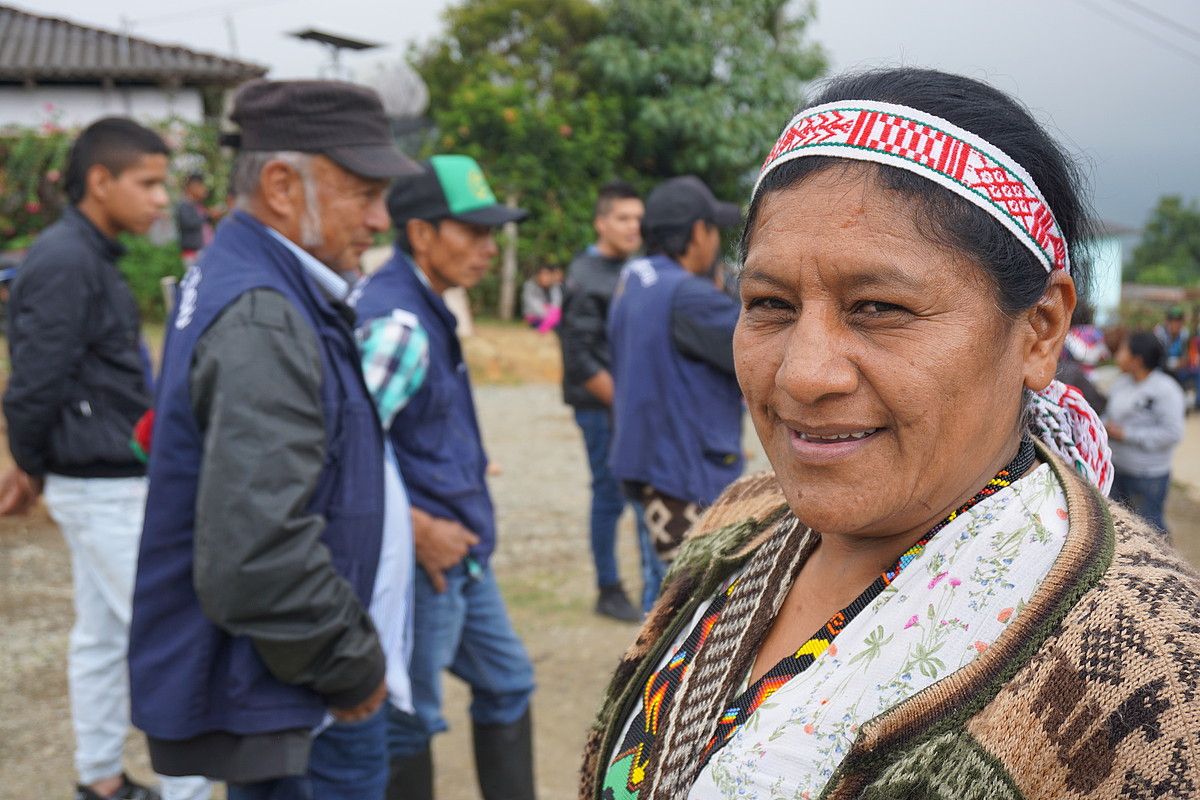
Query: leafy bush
x=144 y=265
x=33 y=160
x=32 y=163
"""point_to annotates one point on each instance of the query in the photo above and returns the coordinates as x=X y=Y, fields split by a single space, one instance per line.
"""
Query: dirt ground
x=543 y=564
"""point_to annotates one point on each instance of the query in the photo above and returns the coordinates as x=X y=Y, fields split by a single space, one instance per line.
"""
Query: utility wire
x=1104 y=12
x=1173 y=24
x=207 y=11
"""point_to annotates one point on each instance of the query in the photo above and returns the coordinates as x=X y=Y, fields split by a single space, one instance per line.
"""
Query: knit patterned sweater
x=1092 y=692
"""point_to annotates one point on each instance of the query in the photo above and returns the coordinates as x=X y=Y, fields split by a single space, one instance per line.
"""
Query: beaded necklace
x=660 y=688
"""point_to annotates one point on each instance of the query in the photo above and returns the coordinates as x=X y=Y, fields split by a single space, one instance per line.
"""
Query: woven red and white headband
x=922 y=143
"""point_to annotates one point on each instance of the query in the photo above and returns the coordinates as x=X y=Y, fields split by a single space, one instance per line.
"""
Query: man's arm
x=47 y=341
x=702 y=323
x=584 y=330
x=261 y=570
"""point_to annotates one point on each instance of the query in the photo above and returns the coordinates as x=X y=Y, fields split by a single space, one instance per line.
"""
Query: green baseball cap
x=449 y=187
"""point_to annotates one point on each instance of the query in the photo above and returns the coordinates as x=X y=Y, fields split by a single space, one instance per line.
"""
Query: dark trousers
x=608 y=503
x=1146 y=496
x=349 y=761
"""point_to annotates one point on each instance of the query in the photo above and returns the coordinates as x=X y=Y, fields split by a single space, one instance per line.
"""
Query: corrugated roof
x=40 y=48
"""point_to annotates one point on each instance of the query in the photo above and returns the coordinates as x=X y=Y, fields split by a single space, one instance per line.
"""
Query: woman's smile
x=818 y=444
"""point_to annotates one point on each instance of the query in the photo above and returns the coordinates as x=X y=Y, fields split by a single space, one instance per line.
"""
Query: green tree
x=506 y=89
x=1169 y=252
x=705 y=85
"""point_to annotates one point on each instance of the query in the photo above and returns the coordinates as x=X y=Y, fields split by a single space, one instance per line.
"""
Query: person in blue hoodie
x=677 y=408
x=445 y=218
x=271 y=593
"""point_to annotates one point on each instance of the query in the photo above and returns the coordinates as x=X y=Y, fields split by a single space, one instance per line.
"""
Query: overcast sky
x=1117 y=80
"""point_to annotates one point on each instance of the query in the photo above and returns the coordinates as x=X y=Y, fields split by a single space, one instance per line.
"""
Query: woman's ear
x=1049 y=321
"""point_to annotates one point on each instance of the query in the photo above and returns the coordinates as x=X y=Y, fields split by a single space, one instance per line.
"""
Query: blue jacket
x=187 y=675
x=677 y=422
x=436 y=435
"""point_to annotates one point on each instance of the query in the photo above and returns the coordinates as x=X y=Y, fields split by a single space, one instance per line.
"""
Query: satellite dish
x=402 y=90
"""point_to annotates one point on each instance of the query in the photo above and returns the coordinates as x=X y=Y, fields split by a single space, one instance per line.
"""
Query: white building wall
x=75 y=106
x=1106 y=279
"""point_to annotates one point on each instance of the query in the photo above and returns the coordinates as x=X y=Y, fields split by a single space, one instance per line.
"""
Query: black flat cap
x=341 y=121
x=684 y=200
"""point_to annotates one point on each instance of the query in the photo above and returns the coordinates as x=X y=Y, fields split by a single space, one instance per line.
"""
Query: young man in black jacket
x=78 y=386
x=588 y=388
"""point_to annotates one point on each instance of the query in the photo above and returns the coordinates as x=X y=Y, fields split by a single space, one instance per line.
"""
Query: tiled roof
x=40 y=48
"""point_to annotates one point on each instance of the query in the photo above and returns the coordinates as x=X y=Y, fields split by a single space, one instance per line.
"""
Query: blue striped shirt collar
x=326 y=278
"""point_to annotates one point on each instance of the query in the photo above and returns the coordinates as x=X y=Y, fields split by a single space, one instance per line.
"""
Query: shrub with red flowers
x=31 y=198
x=33 y=161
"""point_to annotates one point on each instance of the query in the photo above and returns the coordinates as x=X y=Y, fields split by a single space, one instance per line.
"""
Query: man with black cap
x=445 y=217
x=677 y=408
x=272 y=575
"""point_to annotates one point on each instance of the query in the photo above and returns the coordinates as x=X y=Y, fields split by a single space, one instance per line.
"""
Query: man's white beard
x=310 y=222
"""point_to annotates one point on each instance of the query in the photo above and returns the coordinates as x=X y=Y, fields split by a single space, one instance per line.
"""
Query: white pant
x=101 y=519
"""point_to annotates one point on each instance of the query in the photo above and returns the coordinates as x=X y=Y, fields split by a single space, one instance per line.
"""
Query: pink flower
x=981 y=646
x=1004 y=615
x=911 y=621
x=937 y=579
x=33 y=206
x=955 y=582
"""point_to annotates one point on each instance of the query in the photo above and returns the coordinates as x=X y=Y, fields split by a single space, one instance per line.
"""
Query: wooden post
x=167 y=285
x=508 y=265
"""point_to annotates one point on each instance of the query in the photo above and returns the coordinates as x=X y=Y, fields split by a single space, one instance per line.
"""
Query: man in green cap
x=445 y=217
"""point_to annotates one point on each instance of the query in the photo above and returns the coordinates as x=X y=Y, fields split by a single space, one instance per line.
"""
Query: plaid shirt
x=395 y=358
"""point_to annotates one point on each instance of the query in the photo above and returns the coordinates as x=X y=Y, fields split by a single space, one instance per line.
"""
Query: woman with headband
x=931 y=595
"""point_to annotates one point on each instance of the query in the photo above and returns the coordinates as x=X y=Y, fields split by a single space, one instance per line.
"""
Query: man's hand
x=601 y=387
x=1115 y=431
x=440 y=544
x=18 y=491
x=364 y=709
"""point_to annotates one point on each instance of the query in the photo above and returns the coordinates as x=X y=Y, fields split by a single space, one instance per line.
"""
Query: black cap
x=341 y=121
x=449 y=187
x=682 y=201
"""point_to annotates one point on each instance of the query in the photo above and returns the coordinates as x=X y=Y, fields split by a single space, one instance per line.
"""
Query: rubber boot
x=504 y=760
x=411 y=777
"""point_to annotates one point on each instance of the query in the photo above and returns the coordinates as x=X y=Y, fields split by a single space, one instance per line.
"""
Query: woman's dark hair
x=1147 y=347
x=948 y=219
x=115 y=143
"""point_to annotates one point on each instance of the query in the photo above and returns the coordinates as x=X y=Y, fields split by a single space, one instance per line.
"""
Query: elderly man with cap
x=677 y=408
x=445 y=217
x=273 y=581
